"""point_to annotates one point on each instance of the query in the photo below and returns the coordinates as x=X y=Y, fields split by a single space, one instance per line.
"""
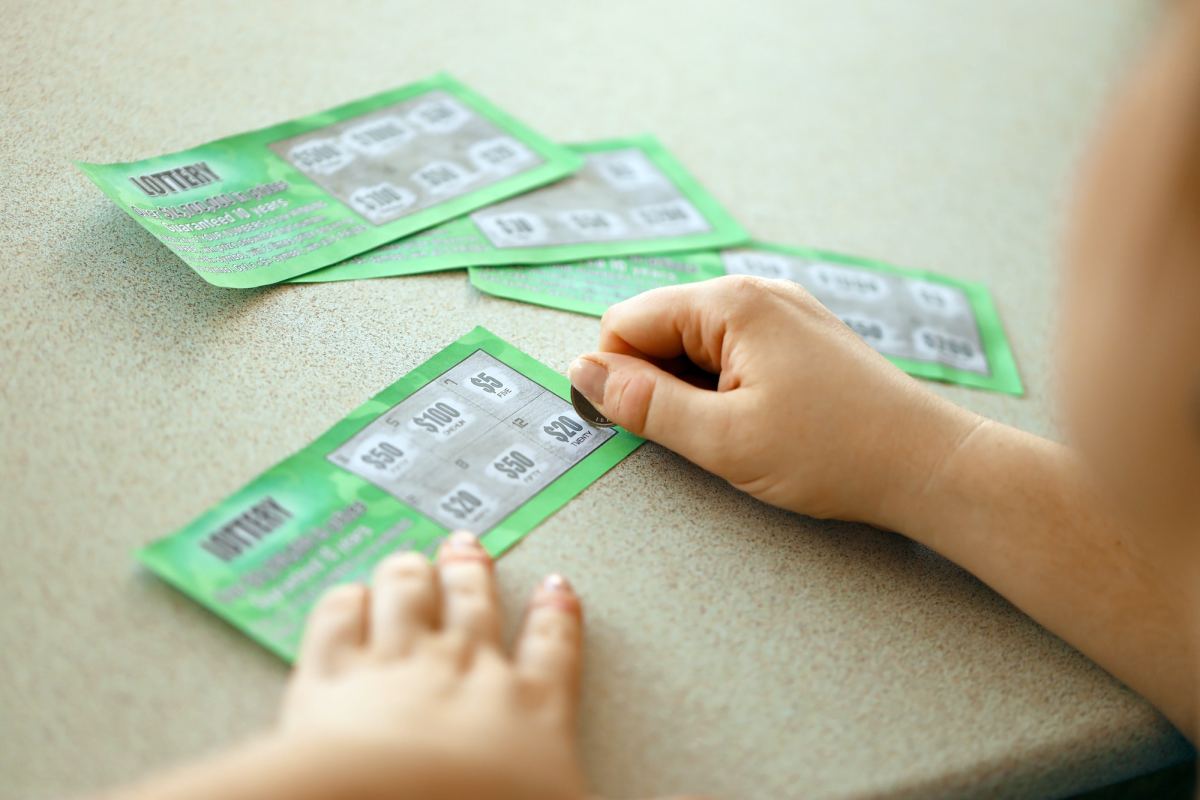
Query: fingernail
x=463 y=540
x=556 y=583
x=588 y=377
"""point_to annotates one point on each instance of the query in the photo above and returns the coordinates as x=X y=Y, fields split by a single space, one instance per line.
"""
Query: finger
x=336 y=629
x=549 y=651
x=669 y=323
x=403 y=603
x=650 y=402
x=470 y=609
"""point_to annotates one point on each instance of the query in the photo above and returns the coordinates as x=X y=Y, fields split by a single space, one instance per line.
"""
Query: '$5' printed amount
x=490 y=384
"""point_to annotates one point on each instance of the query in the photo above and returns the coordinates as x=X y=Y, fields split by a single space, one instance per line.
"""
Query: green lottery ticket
x=631 y=196
x=480 y=437
x=265 y=206
x=929 y=325
x=590 y=287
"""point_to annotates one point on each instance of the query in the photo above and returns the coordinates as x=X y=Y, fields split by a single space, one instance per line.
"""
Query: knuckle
x=464 y=593
x=556 y=628
x=606 y=319
x=475 y=614
x=745 y=297
x=744 y=289
x=614 y=317
x=343 y=598
x=403 y=566
x=468 y=574
x=470 y=590
x=742 y=297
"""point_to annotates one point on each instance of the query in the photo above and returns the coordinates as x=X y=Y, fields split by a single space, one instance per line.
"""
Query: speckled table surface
x=734 y=648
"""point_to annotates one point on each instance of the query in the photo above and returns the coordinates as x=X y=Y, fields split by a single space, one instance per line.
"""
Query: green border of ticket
x=254 y=162
x=307 y=477
x=708 y=265
x=725 y=231
x=1004 y=376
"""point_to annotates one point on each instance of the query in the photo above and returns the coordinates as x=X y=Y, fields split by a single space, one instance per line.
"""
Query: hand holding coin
x=797 y=410
x=588 y=411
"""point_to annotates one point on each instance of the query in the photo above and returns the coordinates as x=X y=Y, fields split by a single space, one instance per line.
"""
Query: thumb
x=655 y=404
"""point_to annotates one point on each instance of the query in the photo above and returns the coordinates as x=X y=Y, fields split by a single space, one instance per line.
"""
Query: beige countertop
x=734 y=648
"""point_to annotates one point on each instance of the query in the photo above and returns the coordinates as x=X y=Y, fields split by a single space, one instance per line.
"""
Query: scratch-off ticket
x=480 y=437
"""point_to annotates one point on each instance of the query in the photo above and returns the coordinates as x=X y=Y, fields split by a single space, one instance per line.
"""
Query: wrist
x=934 y=445
x=318 y=767
x=367 y=768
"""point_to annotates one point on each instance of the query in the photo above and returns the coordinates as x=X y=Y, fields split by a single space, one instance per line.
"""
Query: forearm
x=261 y=768
x=1020 y=513
x=272 y=767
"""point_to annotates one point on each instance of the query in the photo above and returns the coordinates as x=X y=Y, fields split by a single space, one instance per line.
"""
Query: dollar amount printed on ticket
x=929 y=325
x=481 y=437
x=630 y=197
x=267 y=205
x=473 y=445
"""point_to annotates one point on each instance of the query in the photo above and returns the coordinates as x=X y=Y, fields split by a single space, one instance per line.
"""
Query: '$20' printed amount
x=562 y=428
x=461 y=503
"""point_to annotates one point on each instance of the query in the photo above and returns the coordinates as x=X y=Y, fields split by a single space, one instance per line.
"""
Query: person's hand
x=408 y=680
x=757 y=382
x=403 y=689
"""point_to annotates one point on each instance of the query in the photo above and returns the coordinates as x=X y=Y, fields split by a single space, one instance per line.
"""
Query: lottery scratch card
x=929 y=325
x=264 y=206
x=590 y=287
x=480 y=437
x=631 y=196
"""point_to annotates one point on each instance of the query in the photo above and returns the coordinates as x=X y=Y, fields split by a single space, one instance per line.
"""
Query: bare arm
x=275 y=767
x=404 y=690
x=806 y=416
x=1022 y=514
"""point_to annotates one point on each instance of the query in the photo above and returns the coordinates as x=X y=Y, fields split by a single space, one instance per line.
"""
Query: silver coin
x=585 y=409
